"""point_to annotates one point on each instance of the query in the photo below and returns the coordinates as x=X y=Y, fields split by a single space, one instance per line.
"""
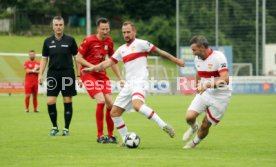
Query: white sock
x=194 y=126
x=121 y=126
x=150 y=114
x=196 y=139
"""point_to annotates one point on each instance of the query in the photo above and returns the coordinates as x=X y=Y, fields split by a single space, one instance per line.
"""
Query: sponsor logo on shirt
x=52 y=46
x=105 y=47
x=65 y=46
x=210 y=66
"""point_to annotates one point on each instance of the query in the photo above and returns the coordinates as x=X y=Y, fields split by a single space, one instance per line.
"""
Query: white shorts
x=214 y=108
x=129 y=93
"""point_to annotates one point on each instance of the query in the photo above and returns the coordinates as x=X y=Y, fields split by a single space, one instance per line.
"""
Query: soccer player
x=213 y=94
x=60 y=50
x=134 y=55
x=31 y=80
x=93 y=51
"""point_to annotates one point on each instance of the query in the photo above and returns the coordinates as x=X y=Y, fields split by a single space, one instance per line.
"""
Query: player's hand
x=79 y=82
x=40 y=79
x=87 y=70
x=180 y=62
x=200 y=88
x=122 y=83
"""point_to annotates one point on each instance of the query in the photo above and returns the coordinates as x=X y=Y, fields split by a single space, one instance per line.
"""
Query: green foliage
x=160 y=31
x=22 y=24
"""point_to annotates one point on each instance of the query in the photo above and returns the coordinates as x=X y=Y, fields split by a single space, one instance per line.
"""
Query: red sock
x=99 y=118
x=27 y=102
x=109 y=122
x=35 y=103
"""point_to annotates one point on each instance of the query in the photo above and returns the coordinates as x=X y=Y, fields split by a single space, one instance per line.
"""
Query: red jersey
x=94 y=50
x=31 y=77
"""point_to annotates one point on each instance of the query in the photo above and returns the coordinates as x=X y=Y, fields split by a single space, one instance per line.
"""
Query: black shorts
x=63 y=80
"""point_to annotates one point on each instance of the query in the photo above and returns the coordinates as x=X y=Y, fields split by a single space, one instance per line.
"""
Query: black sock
x=68 y=112
x=52 y=110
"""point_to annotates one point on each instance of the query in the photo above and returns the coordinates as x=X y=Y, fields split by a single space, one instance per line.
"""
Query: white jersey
x=209 y=70
x=134 y=56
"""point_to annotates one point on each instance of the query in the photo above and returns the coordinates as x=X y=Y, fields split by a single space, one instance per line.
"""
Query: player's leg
x=94 y=88
x=139 y=106
x=68 y=114
x=99 y=97
x=28 y=92
x=68 y=90
x=52 y=111
x=196 y=107
x=109 y=122
x=116 y=115
x=53 y=89
x=214 y=114
x=201 y=133
x=193 y=125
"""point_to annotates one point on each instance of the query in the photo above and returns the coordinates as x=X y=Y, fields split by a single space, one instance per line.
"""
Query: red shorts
x=31 y=88
x=96 y=83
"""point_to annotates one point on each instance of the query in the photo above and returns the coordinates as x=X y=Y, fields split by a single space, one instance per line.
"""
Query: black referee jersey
x=60 y=52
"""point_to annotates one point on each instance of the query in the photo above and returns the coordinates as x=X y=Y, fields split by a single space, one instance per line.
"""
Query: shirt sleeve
x=45 y=50
x=111 y=49
x=116 y=56
x=148 y=47
x=222 y=64
x=74 y=47
x=25 y=65
x=83 y=47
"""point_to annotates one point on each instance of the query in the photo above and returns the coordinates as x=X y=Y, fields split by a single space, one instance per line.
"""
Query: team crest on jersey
x=210 y=66
x=132 y=48
x=53 y=41
x=105 y=47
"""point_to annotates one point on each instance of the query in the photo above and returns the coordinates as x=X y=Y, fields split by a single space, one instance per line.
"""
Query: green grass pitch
x=245 y=137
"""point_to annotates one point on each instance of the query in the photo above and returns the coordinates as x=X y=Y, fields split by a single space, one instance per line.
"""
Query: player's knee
x=114 y=113
x=190 y=116
x=136 y=107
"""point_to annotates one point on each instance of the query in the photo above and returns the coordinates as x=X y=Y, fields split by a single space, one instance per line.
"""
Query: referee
x=60 y=50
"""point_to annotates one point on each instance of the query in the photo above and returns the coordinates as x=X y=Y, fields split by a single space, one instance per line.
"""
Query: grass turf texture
x=245 y=136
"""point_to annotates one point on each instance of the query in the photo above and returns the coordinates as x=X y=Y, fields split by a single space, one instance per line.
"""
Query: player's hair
x=129 y=23
x=32 y=51
x=199 y=40
x=58 y=18
x=101 y=20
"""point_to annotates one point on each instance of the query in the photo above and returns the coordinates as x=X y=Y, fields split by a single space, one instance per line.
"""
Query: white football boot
x=188 y=134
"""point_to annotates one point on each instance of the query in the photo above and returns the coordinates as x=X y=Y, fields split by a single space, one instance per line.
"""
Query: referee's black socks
x=68 y=112
x=52 y=110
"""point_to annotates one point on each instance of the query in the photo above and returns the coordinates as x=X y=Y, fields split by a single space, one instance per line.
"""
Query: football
x=132 y=140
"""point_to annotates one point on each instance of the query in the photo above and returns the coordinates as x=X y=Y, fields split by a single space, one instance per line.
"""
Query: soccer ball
x=132 y=140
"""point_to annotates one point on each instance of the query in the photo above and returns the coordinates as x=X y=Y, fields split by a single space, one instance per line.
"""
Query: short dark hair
x=31 y=51
x=199 y=40
x=101 y=20
x=129 y=23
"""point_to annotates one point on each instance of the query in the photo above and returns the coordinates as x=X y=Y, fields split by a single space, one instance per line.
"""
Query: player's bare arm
x=116 y=70
x=78 y=67
x=167 y=55
x=82 y=61
x=221 y=81
x=99 y=67
x=43 y=64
